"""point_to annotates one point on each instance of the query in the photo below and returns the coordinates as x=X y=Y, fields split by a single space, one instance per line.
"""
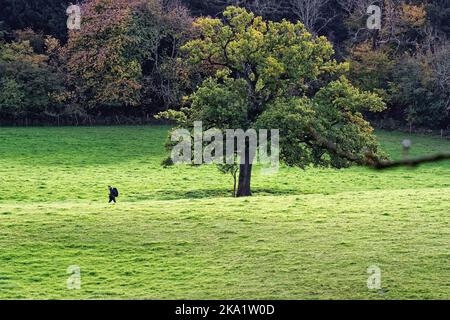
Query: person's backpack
x=115 y=192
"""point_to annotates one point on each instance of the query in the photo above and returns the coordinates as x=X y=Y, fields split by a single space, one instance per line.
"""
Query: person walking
x=113 y=194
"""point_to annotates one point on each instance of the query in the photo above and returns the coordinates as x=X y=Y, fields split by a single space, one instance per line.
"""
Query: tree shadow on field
x=218 y=193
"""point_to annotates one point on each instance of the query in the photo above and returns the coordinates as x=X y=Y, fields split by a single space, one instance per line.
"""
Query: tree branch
x=374 y=162
x=380 y=165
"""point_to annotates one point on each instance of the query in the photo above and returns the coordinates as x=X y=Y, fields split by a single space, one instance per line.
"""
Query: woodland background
x=124 y=65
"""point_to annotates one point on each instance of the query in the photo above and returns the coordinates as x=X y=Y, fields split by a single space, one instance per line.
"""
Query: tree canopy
x=277 y=75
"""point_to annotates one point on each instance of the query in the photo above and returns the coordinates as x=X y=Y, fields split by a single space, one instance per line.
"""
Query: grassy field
x=176 y=232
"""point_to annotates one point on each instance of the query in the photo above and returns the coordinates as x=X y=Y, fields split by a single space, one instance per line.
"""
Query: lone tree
x=277 y=75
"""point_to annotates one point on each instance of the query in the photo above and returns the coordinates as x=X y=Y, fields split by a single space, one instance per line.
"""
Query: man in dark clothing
x=113 y=193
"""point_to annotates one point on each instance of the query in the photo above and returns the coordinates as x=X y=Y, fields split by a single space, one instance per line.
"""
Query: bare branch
x=374 y=162
x=380 y=165
x=311 y=13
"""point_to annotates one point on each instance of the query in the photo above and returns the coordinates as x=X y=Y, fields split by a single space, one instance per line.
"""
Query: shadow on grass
x=218 y=193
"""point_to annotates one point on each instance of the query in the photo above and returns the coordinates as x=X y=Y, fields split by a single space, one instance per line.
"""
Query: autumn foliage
x=126 y=60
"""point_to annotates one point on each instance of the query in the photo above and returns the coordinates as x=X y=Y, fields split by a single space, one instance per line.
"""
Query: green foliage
x=335 y=114
x=372 y=69
x=28 y=82
x=274 y=58
x=292 y=117
x=341 y=96
x=230 y=169
x=266 y=73
x=40 y=15
x=11 y=97
x=221 y=103
x=405 y=63
x=125 y=53
x=167 y=77
x=128 y=53
x=422 y=87
x=100 y=70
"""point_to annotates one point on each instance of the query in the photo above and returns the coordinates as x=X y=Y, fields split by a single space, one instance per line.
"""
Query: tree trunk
x=245 y=172
x=235 y=183
x=375 y=39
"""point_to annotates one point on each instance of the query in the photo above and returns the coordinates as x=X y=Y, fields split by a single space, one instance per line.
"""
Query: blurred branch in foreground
x=377 y=163
x=380 y=165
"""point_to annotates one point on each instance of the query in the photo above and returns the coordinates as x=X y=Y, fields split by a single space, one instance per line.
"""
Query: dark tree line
x=406 y=62
x=44 y=16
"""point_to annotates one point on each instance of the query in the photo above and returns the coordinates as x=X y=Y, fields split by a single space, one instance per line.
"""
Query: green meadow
x=176 y=233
